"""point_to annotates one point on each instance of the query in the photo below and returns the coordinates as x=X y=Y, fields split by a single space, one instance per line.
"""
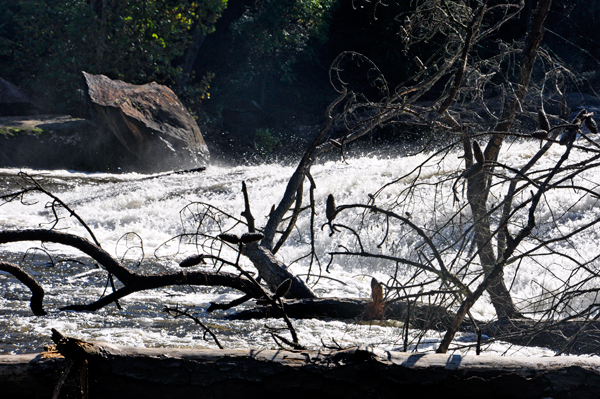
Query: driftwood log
x=123 y=372
x=418 y=315
x=575 y=336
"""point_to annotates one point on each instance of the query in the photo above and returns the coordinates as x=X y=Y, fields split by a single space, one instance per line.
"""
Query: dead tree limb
x=478 y=186
x=437 y=317
x=37 y=291
x=85 y=246
x=512 y=244
x=178 y=312
x=271 y=270
x=133 y=281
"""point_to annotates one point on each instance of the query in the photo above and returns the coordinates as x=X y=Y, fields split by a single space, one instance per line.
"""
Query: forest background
x=253 y=72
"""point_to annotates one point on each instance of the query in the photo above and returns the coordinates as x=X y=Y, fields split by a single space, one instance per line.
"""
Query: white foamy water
x=159 y=208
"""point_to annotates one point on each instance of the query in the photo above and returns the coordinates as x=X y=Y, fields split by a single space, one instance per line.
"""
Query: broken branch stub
x=330 y=208
x=248 y=238
x=192 y=260
x=478 y=153
x=230 y=238
x=591 y=125
x=543 y=120
x=473 y=170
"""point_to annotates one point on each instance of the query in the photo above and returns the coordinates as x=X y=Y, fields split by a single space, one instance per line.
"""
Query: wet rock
x=15 y=102
x=150 y=122
x=58 y=142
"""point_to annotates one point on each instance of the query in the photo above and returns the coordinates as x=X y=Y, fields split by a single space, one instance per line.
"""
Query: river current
x=135 y=218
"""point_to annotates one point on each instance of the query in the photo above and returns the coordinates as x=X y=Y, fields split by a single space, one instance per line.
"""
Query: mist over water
x=135 y=218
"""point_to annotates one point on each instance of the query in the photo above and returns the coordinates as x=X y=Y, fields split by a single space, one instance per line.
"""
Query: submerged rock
x=150 y=122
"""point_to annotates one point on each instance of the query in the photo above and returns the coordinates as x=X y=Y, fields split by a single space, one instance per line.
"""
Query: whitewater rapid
x=135 y=218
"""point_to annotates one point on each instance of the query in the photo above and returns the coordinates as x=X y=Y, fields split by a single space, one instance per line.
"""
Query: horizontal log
x=574 y=336
x=421 y=315
x=30 y=376
x=122 y=372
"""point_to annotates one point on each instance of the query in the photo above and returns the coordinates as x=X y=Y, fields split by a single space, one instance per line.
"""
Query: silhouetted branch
x=37 y=291
x=177 y=312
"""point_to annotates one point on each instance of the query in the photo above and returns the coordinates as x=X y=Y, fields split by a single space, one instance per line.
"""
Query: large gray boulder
x=151 y=123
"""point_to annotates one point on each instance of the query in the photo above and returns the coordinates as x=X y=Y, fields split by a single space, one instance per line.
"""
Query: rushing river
x=157 y=208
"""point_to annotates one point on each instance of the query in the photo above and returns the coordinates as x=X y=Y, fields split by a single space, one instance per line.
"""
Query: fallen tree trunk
x=418 y=315
x=574 y=336
x=123 y=372
x=274 y=272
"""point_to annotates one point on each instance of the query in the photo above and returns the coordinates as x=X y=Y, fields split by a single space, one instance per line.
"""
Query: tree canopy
x=44 y=46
